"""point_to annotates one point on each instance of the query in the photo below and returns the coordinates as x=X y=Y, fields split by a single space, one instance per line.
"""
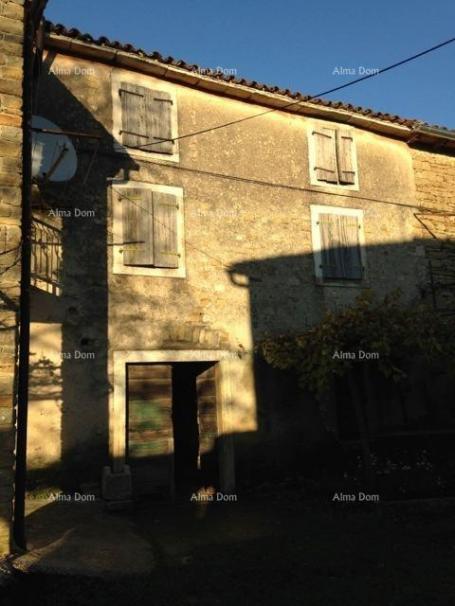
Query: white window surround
x=224 y=359
x=312 y=156
x=316 y=210
x=119 y=76
x=117 y=231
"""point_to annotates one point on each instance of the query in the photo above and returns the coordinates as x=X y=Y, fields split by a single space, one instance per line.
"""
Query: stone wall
x=435 y=193
x=11 y=66
x=435 y=179
x=249 y=264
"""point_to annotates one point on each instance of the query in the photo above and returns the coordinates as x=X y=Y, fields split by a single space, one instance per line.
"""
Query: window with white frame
x=148 y=229
x=338 y=244
x=333 y=157
x=145 y=116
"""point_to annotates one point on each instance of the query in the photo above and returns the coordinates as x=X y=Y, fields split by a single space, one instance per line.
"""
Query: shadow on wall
x=74 y=322
x=9 y=337
x=283 y=299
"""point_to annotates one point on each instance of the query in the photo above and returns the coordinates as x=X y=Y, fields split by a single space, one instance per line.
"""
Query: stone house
x=20 y=53
x=434 y=171
x=11 y=28
x=176 y=246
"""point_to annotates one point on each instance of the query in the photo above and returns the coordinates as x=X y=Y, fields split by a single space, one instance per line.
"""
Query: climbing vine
x=393 y=332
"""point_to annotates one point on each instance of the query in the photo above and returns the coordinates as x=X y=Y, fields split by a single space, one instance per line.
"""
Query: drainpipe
x=24 y=305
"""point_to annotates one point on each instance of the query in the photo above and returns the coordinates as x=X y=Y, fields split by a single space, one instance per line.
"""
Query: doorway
x=172 y=428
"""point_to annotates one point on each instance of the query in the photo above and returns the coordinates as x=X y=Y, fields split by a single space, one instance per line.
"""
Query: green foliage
x=397 y=333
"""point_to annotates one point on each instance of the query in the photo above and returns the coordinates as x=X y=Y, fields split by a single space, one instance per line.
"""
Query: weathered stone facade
x=11 y=71
x=249 y=267
x=435 y=178
x=435 y=191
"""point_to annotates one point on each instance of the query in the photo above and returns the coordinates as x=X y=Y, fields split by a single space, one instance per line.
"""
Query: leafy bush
x=396 y=332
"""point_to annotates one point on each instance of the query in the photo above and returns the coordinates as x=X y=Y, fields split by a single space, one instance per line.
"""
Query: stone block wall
x=435 y=178
x=11 y=73
x=245 y=275
x=435 y=192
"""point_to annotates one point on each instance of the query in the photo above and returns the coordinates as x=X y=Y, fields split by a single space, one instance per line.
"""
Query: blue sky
x=296 y=44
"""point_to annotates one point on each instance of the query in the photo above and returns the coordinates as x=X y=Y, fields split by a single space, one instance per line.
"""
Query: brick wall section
x=435 y=179
x=11 y=70
x=435 y=192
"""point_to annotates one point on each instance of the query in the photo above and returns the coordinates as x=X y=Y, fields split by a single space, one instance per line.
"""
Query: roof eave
x=121 y=58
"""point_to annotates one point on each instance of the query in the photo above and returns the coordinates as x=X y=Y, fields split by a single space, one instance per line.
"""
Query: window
x=149 y=225
x=145 y=117
x=338 y=244
x=148 y=230
x=332 y=157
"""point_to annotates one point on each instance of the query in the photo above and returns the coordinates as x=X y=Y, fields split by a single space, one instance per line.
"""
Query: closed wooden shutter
x=134 y=130
x=208 y=425
x=165 y=237
x=325 y=151
x=340 y=248
x=207 y=413
x=329 y=244
x=150 y=432
x=350 y=228
x=137 y=220
x=159 y=121
x=345 y=154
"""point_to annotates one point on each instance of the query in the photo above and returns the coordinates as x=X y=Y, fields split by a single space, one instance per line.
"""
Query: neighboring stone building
x=11 y=71
x=435 y=191
x=165 y=259
x=19 y=20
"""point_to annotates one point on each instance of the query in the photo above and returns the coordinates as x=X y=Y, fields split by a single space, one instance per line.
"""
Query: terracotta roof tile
x=74 y=33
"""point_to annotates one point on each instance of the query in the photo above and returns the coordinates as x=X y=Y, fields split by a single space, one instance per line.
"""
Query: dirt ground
x=265 y=550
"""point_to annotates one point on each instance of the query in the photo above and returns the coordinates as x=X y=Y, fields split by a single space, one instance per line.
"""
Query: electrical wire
x=307 y=99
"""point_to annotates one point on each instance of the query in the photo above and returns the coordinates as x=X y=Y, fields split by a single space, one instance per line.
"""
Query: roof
x=75 y=34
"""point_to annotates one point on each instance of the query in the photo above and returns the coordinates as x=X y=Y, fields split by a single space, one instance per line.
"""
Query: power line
x=306 y=100
x=277 y=185
x=296 y=188
x=216 y=259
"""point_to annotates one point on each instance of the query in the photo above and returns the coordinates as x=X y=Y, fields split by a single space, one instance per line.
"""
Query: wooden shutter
x=325 y=157
x=345 y=154
x=207 y=413
x=349 y=229
x=208 y=425
x=165 y=237
x=134 y=115
x=340 y=248
x=150 y=432
x=137 y=220
x=329 y=244
x=159 y=121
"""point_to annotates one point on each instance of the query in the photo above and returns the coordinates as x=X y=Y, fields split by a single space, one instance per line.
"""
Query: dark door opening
x=194 y=418
x=186 y=427
x=172 y=428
